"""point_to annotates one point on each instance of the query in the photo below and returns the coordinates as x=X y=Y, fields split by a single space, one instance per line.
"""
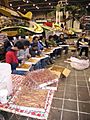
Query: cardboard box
x=60 y=70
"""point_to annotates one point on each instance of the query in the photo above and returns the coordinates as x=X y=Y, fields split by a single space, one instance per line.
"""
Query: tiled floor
x=72 y=99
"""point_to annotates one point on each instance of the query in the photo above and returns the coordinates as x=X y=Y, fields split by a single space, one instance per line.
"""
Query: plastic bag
x=79 y=64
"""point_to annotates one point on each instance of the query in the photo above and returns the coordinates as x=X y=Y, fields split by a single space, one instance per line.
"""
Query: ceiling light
x=66 y=3
x=27 y=1
x=88 y=3
x=33 y=4
x=18 y=8
x=51 y=6
x=37 y=7
x=10 y=4
x=45 y=0
x=24 y=9
x=49 y=3
x=86 y=6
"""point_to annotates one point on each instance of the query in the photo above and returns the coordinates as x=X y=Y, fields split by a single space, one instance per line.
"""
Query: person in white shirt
x=24 y=54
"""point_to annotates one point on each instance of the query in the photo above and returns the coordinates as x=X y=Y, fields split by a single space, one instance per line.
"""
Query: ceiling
x=40 y=5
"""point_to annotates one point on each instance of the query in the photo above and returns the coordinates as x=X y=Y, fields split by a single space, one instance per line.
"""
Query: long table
x=34 y=60
x=27 y=111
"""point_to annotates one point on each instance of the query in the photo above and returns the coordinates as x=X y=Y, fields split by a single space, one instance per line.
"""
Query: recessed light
x=27 y=1
x=33 y=4
x=49 y=3
x=10 y=4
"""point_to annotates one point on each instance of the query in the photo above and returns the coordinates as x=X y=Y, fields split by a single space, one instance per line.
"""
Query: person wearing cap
x=83 y=45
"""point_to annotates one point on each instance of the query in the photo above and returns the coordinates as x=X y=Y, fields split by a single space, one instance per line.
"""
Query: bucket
x=5 y=77
x=3 y=96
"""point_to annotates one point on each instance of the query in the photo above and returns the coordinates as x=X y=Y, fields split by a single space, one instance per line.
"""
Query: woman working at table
x=24 y=54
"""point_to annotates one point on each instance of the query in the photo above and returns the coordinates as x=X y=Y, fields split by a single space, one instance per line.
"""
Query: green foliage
x=75 y=11
x=51 y=14
x=21 y=32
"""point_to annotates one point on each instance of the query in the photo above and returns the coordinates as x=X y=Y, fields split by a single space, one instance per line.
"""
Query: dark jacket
x=61 y=41
x=82 y=40
x=34 y=50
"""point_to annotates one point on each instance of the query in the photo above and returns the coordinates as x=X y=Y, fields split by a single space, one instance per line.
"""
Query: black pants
x=84 y=49
x=66 y=49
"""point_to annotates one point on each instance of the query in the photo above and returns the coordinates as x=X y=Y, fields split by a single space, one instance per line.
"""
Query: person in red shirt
x=11 y=55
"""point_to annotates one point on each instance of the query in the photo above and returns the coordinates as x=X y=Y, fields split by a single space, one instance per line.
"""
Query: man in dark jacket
x=36 y=47
x=62 y=41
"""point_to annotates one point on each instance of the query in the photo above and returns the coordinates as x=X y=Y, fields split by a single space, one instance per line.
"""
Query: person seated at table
x=42 y=41
x=11 y=55
x=51 y=42
x=83 y=45
x=55 y=37
x=24 y=53
x=36 y=47
x=36 y=50
x=61 y=41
